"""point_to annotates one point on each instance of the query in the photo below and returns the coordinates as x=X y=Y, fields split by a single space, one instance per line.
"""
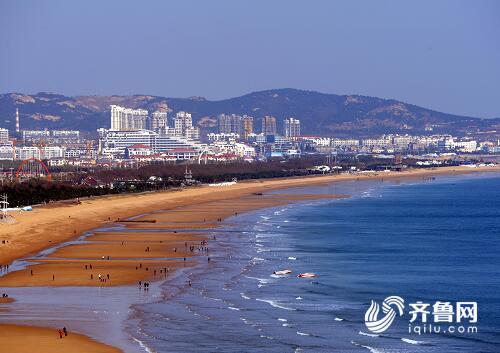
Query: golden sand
x=27 y=339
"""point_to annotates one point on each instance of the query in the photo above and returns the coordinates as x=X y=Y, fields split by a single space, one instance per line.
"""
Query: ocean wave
x=407 y=340
x=367 y=334
x=233 y=308
x=259 y=250
x=143 y=346
x=275 y=304
x=283 y=320
x=266 y=337
x=371 y=349
x=338 y=319
x=244 y=296
x=303 y=333
x=261 y=280
x=292 y=258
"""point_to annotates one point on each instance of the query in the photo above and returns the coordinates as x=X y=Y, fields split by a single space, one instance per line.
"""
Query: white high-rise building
x=157 y=121
x=4 y=136
x=17 y=121
x=183 y=126
x=292 y=128
x=125 y=119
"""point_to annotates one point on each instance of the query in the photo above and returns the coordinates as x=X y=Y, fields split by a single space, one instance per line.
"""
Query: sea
x=428 y=240
x=424 y=241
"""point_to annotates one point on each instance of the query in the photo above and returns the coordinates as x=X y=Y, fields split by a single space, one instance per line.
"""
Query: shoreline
x=47 y=226
x=204 y=196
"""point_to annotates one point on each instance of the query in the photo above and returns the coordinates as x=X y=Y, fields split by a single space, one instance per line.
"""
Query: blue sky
x=443 y=55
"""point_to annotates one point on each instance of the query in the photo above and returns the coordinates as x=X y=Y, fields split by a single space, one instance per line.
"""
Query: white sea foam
x=259 y=250
x=338 y=319
x=407 y=340
x=292 y=258
x=275 y=304
x=261 y=280
x=299 y=298
x=233 y=308
x=244 y=296
x=303 y=333
x=371 y=349
x=367 y=334
x=267 y=337
x=284 y=320
x=143 y=346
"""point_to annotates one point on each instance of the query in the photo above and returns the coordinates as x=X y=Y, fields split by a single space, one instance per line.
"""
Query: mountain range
x=320 y=114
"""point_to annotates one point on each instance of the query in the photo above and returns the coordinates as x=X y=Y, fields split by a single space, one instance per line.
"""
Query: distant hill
x=321 y=114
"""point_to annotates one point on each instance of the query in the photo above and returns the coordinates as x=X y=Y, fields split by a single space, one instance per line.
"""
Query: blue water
x=420 y=240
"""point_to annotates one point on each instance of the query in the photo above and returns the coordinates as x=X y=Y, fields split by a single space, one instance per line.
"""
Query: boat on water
x=282 y=272
x=306 y=275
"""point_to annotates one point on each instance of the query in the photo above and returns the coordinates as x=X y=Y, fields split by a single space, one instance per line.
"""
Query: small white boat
x=306 y=275
x=283 y=272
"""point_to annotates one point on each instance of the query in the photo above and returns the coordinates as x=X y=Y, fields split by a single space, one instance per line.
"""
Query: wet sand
x=134 y=254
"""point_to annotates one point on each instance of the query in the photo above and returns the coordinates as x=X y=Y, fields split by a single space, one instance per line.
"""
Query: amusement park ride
x=32 y=168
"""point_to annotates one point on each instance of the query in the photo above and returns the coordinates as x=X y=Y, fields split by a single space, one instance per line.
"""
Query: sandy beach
x=24 y=339
x=46 y=226
x=129 y=256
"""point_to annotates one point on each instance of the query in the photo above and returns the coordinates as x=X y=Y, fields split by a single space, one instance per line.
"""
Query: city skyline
x=424 y=59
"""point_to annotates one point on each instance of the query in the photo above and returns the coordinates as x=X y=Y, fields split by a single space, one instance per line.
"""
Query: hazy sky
x=443 y=55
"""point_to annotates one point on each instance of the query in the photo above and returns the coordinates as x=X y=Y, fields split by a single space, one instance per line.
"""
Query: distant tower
x=17 y=120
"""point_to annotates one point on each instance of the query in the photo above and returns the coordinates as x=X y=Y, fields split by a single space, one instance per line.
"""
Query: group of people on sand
x=145 y=284
x=103 y=278
x=62 y=332
x=5 y=295
x=202 y=248
x=4 y=267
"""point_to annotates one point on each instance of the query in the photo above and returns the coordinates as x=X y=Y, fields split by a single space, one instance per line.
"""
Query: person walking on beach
x=65 y=331
x=60 y=333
